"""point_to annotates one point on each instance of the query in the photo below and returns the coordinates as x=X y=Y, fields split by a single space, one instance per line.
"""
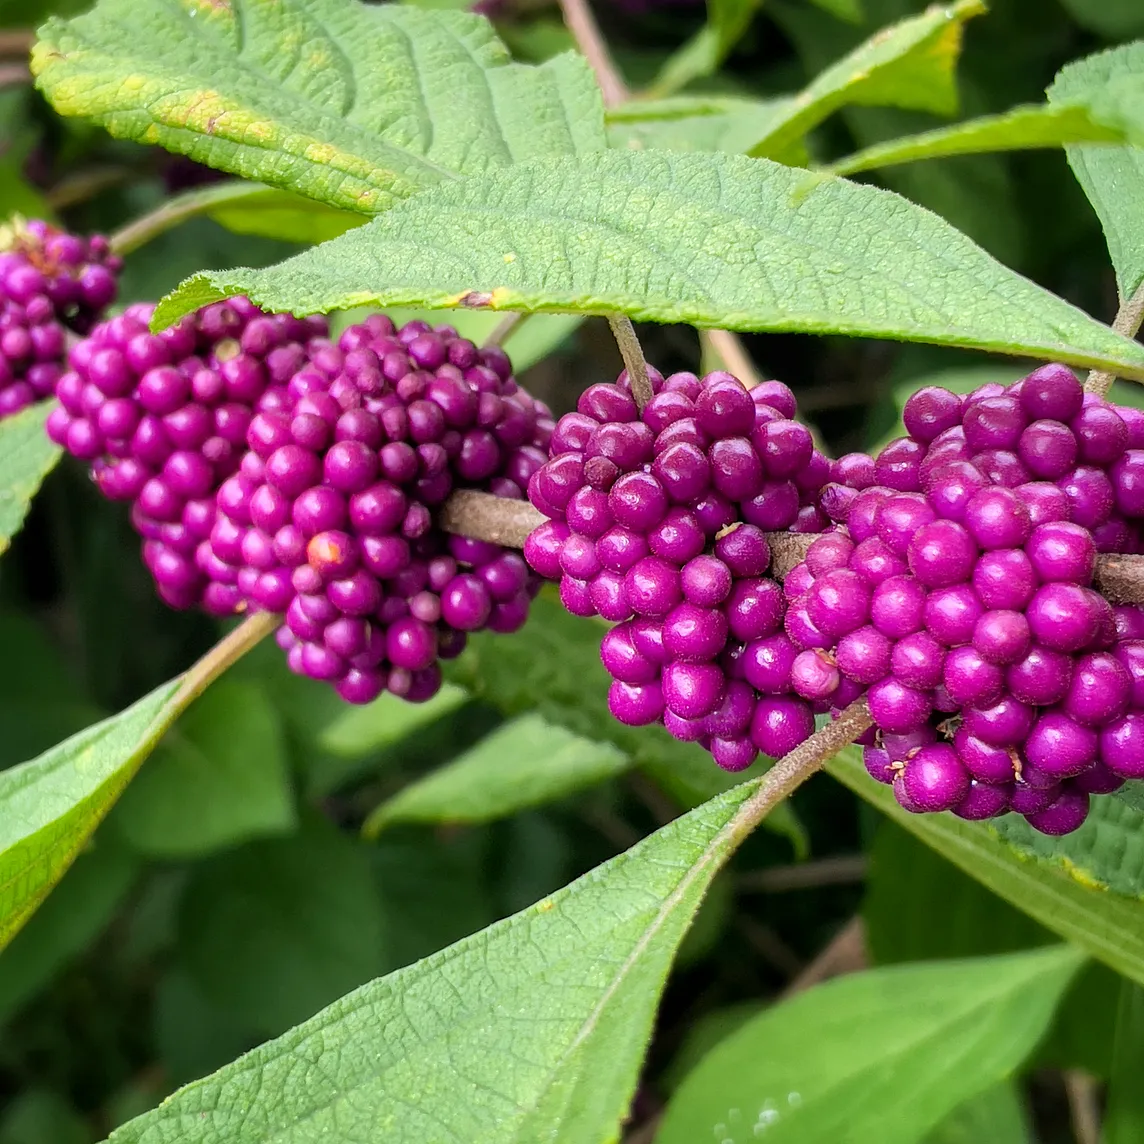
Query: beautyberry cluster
x=330 y=517
x=960 y=596
x=657 y=522
x=50 y=282
x=163 y=420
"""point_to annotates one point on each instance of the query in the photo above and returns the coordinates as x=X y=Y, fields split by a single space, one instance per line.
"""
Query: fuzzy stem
x=586 y=32
x=793 y=769
x=179 y=209
x=1127 y=322
x=632 y=353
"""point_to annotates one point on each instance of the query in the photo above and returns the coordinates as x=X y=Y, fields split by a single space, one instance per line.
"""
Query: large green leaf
x=531 y=1030
x=1109 y=926
x=1112 y=177
x=357 y=106
x=1106 y=853
x=873 y=1058
x=997 y=1116
x=26 y=457
x=526 y=762
x=713 y=240
x=1124 y=1119
x=220 y=777
x=50 y=806
x=906 y=878
x=275 y=929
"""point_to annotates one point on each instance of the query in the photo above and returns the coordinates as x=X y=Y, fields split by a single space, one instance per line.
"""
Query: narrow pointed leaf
x=1112 y=177
x=1108 y=926
x=26 y=457
x=727 y=20
x=872 y=1058
x=357 y=106
x=50 y=806
x=533 y=1029
x=712 y=240
x=527 y=762
x=909 y=64
x=1022 y=129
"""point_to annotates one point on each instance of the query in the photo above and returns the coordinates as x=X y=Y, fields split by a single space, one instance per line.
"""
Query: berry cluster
x=163 y=421
x=960 y=596
x=49 y=282
x=657 y=522
x=330 y=517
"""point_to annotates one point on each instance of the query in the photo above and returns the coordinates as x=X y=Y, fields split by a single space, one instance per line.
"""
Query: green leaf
x=826 y=1065
x=552 y=667
x=26 y=458
x=699 y=123
x=218 y=778
x=909 y=64
x=532 y=1030
x=1106 y=853
x=1109 y=926
x=525 y=763
x=357 y=106
x=848 y=10
x=357 y=731
x=1124 y=1118
x=68 y=922
x=906 y=878
x=997 y=1115
x=1021 y=129
x=272 y=213
x=276 y=929
x=727 y=20
x=1112 y=177
x=1115 y=19
x=50 y=806
x=712 y=240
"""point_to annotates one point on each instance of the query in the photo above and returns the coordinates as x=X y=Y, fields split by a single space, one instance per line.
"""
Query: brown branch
x=845 y=954
x=499 y=520
x=1084 y=1105
x=1127 y=322
x=14 y=75
x=586 y=32
x=843 y=870
x=17 y=42
x=1121 y=578
x=482 y=516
